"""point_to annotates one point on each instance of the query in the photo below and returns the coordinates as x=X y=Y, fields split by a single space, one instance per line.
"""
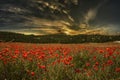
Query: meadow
x=26 y=61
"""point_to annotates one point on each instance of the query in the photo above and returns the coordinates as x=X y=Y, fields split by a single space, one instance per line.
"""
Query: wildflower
x=87 y=64
x=65 y=53
x=109 y=62
x=108 y=49
x=117 y=53
x=106 y=55
x=114 y=57
x=15 y=56
x=53 y=63
x=103 y=68
x=72 y=65
x=58 y=60
x=56 y=55
x=6 y=50
x=117 y=70
x=110 y=53
x=101 y=51
x=70 y=58
x=95 y=68
x=32 y=73
x=16 y=51
x=88 y=73
x=25 y=55
x=5 y=62
x=42 y=66
x=28 y=71
x=94 y=58
x=30 y=59
x=41 y=56
x=66 y=62
x=97 y=63
x=0 y=57
x=77 y=71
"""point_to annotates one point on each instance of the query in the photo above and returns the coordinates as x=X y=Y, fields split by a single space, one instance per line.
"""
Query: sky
x=71 y=17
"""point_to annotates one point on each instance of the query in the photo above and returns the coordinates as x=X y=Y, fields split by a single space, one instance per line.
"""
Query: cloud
x=39 y=26
x=43 y=17
x=92 y=13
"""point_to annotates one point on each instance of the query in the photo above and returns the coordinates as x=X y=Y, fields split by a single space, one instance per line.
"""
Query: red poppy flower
x=87 y=64
x=77 y=71
x=32 y=73
x=117 y=70
x=42 y=66
x=109 y=62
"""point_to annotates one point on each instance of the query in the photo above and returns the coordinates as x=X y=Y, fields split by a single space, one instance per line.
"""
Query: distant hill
x=57 y=38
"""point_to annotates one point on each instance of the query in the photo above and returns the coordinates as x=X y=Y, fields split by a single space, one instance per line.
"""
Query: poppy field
x=25 y=61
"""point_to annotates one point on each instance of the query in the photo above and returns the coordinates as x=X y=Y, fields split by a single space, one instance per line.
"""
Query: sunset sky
x=71 y=17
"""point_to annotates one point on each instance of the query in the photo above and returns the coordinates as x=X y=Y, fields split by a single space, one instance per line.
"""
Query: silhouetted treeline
x=57 y=38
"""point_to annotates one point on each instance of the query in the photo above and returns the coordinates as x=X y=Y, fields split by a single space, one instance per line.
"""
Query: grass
x=21 y=61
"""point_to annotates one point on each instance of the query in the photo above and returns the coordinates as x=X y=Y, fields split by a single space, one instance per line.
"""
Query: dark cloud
x=109 y=13
x=70 y=15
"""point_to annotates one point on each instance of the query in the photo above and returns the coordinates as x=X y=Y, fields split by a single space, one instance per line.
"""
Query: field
x=25 y=61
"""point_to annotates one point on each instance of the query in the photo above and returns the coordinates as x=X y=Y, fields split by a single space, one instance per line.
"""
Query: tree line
x=57 y=38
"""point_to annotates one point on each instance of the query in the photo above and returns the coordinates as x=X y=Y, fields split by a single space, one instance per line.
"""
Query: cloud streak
x=50 y=17
x=92 y=13
x=45 y=27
